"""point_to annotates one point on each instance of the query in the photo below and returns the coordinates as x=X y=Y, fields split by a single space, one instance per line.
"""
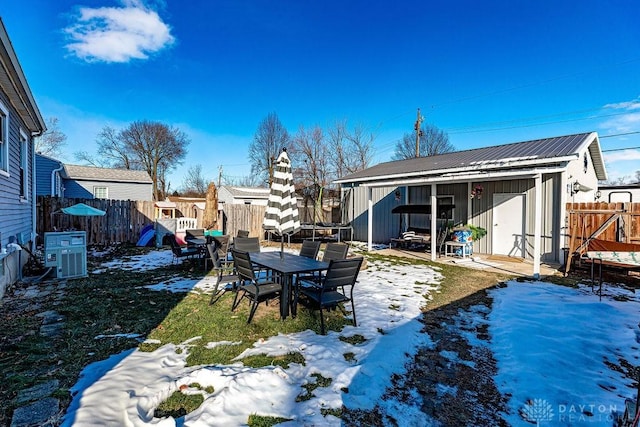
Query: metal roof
x=519 y=155
x=247 y=192
x=105 y=174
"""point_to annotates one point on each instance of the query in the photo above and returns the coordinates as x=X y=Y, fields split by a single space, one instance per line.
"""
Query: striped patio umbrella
x=282 y=208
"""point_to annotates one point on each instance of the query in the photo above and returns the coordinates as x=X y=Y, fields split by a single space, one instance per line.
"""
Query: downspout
x=33 y=189
x=53 y=179
x=33 y=196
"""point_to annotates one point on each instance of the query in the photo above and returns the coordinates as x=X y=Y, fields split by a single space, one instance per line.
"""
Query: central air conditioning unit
x=66 y=252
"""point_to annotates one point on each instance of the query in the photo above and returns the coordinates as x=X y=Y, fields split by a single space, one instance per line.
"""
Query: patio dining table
x=287 y=265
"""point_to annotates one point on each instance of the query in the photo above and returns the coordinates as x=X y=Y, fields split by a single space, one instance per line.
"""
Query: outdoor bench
x=412 y=236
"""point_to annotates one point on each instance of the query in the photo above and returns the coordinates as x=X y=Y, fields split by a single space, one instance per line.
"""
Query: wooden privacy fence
x=612 y=222
x=125 y=219
x=615 y=222
x=122 y=222
x=243 y=217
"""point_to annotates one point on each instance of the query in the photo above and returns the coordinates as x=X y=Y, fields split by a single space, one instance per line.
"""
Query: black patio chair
x=246 y=244
x=242 y=233
x=326 y=295
x=333 y=251
x=222 y=246
x=251 y=287
x=180 y=252
x=310 y=248
x=225 y=274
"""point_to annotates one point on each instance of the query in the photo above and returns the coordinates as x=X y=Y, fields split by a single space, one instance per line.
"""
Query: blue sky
x=487 y=73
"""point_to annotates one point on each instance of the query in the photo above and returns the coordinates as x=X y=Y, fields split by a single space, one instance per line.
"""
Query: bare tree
x=360 y=151
x=310 y=157
x=350 y=150
x=84 y=157
x=112 y=153
x=51 y=142
x=157 y=147
x=312 y=165
x=432 y=141
x=150 y=146
x=270 y=138
x=194 y=183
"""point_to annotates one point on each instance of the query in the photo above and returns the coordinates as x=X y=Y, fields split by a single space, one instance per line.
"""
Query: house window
x=24 y=165
x=445 y=211
x=4 y=139
x=100 y=192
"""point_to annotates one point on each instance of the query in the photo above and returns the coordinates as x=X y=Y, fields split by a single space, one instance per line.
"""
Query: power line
x=526 y=85
x=539 y=124
x=621 y=134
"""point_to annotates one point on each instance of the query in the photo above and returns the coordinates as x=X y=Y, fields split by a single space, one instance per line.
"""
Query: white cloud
x=622 y=164
x=625 y=105
x=627 y=121
x=118 y=34
x=622 y=156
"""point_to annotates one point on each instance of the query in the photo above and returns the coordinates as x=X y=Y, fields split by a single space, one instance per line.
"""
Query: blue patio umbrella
x=80 y=209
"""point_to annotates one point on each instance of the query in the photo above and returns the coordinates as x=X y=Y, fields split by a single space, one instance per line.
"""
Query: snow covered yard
x=514 y=355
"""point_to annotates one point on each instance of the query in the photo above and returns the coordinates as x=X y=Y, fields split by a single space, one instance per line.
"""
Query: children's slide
x=147 y=236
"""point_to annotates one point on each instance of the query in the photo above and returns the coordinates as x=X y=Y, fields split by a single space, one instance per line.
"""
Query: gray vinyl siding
x=16 y=213
x=116 y=190
x=386 y=224
x=482 y=213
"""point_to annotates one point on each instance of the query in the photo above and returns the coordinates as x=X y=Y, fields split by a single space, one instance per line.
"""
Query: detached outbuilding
x=517 y=192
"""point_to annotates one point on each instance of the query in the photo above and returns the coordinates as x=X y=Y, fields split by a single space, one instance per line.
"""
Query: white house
x=242 y=195
x=624 y=193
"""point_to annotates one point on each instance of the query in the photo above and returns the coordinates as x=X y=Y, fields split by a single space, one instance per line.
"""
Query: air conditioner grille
x=71 y=264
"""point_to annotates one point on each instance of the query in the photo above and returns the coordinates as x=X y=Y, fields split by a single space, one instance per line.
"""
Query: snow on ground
x=558 y=351
x=388 y=299
x=553 y=344
x=144 y=262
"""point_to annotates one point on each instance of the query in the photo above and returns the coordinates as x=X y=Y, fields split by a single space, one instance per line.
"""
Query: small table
x=454 y=245
x=287 y=265
x=201 y=244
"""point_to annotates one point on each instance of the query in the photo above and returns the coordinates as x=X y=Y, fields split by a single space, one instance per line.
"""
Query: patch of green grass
x=394 y=307
x=309 y=387
x=178 y=405
x=213 y=323
x=336 y=412
x=261 y=360
x=349 y=356
x=262 y=421
x=114 y=302
x=353 y=339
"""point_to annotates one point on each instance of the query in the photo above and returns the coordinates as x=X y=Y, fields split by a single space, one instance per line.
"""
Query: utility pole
x=418 y=130
x=219 y=176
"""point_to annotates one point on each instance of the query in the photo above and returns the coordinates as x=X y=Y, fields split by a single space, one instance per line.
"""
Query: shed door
x=508 y=224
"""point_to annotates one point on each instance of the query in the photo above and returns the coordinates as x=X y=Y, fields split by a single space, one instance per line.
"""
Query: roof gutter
x=465 y=177
x=472 y=168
